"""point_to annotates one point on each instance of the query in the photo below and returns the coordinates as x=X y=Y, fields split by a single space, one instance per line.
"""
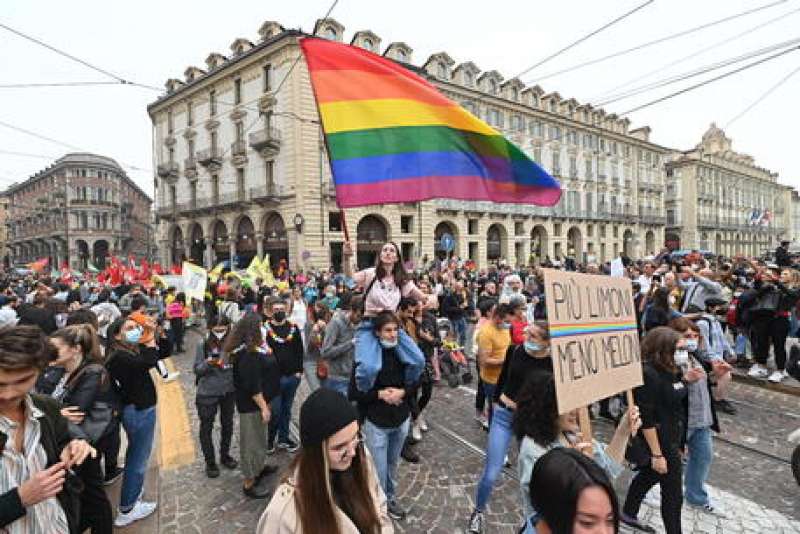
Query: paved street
x=751 y=474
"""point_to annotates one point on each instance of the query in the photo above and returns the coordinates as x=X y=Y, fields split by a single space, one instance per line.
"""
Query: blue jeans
x=460 y=329
x=698 y=465
x=500 y=433
x=140 y=426
x=282 y=408
x=339 y=385
x=369 y=356
x=385 y=445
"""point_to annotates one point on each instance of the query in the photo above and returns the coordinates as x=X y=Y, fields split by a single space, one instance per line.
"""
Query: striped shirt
x=46 y=517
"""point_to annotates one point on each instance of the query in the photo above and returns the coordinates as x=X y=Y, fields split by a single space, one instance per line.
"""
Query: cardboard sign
x=593 y=337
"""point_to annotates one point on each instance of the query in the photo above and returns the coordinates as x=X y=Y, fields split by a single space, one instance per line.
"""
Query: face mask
x=133 y=336
x=219 y=335
x=388 y=344
x=505 y=326
x=532 y=346
x=279 y=316
x=681 y=357
x=691 y=345
x=330 y=294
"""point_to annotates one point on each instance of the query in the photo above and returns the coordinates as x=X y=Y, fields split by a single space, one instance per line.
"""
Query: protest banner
x=194 y=281
x=594 y=339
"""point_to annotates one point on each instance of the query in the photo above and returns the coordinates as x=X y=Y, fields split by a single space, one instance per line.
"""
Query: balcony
x=589 y=177
x=168 y=170
x=239 y=148
x=239 y=152
x=190 y=167
x=210 y=157
x=266 y=141
x=267 y=193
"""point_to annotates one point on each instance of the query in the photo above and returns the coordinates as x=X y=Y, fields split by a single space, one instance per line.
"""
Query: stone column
x=259 y=244
x=209 y=254
x=232 y=250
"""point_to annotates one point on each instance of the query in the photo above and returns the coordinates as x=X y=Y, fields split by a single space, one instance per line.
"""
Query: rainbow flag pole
x=392 y=137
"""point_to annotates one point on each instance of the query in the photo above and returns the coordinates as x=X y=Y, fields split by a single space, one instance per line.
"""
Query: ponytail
x=83 y=336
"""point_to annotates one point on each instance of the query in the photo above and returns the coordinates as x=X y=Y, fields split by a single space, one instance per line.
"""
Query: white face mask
x=691 y=345
x=219 y=335
x=681 y=357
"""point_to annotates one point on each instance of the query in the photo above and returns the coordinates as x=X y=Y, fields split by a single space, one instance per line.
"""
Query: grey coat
x=212 y=381
x=338 y=347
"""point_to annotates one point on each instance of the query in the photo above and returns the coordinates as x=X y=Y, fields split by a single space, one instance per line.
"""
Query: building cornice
x=221 y=71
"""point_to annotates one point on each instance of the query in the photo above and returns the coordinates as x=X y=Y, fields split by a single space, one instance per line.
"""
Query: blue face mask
x=505 y=326
x=532 y=346
x=133 y=336
x=388 y=344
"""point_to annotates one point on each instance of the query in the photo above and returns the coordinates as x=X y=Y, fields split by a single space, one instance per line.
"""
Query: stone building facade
x=80 y=209
x=241 y=168
x=720 y=200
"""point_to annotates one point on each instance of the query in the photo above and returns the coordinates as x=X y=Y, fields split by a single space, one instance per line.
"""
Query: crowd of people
x=370 y=346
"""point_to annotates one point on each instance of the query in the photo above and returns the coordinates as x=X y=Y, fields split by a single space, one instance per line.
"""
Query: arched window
x=401 y=55
x=369 y=45
x=330 y=33
x=442 y=70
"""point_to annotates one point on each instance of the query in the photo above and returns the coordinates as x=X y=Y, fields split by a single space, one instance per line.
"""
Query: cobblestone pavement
x=754 y=484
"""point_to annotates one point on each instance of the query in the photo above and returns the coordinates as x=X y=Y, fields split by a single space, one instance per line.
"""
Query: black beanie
x=324 y=413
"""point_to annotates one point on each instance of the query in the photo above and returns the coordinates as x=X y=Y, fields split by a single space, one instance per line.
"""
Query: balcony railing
x=168 y=170
x=239 y=148
x=189 y=164
x=209 y=156
x=265 y=139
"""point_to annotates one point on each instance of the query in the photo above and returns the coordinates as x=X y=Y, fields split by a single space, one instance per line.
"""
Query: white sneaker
x=710 y=509
x=423 y=424
x=139 y=511
x=758 y=371
x=776 y=377
x=171 y=377
x=416 y=433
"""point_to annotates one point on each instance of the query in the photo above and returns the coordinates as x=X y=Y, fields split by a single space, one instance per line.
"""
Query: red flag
x=157 y=268
x=176 y=269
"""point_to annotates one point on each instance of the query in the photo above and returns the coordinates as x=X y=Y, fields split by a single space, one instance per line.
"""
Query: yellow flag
x=216 y=272
x=254 y=269
x=266 y=272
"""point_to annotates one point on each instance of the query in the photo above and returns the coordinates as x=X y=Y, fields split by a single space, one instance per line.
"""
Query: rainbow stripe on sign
x=565 y=330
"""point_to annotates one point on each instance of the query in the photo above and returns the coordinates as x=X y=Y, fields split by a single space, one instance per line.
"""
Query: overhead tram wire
x=66 y=145
x=119 y=79
x=278 y=87
x=659 y=40
x=585 y=37
x=697 y=72
x=762 y=97
x=57 y=84
x=709 y=81
x=680 y=60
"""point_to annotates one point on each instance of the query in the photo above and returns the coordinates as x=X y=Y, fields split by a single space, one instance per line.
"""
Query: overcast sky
x=148 y=41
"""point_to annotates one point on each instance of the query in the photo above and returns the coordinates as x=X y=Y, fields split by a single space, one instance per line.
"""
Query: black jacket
x=660 y=401
x=55 y=436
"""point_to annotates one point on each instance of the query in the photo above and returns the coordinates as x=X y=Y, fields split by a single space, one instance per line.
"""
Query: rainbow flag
x=392 y=137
